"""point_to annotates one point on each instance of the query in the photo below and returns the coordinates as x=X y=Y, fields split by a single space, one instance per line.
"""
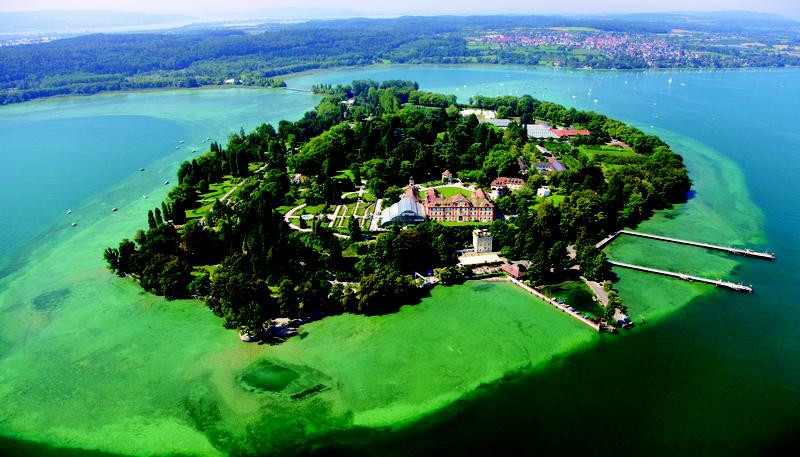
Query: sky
x=205 y=8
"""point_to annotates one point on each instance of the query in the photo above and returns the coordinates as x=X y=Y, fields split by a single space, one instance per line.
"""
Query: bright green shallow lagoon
x=88 y=362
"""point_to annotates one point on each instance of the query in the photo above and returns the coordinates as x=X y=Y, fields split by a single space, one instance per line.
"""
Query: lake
x=88 y=362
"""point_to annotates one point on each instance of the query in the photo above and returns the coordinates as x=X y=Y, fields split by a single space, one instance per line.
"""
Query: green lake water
x=88 y=362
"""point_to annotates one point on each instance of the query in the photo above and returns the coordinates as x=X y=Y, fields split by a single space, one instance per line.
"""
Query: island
x=384 y=190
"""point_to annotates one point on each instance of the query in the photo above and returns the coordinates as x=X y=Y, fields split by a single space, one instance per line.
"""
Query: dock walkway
x=559 y=306
x=685 y=277
x=730 y=250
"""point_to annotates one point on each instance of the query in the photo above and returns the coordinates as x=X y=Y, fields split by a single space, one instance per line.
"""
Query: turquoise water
x=88 y=362
x=718 y=377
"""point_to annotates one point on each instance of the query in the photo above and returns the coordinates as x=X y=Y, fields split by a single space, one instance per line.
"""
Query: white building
x=543 y=191
x=482 y=241
x=479 y=113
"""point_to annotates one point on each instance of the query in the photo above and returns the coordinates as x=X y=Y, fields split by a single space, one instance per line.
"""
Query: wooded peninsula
x=297 y=222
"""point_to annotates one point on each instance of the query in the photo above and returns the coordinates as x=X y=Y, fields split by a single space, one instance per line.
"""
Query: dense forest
x=193 y=57
x=249 y=266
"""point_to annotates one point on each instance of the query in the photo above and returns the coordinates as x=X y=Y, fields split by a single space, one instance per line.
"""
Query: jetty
x=716 y=282
x=728 y=249
x=561 y=307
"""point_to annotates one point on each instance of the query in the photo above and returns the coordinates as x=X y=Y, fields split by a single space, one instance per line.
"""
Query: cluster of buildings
x=544 y=131
x=649 y=49
x=413 y=209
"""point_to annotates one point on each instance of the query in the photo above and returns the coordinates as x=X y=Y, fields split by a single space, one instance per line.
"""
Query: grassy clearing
x=570 y=162
x=556 y=199
x=576 y=294
x=344 y=174
x=314 y=209
x=449 y=191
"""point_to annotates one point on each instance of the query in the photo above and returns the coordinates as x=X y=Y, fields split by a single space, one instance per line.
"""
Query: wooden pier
x=729 y=250
x=718 y=283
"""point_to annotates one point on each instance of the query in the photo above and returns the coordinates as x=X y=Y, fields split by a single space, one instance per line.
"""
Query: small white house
x=543 y=191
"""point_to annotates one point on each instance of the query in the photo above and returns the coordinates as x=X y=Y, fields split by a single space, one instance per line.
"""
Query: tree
x=449 y=275
x=175 y=278
x=593 y=262
x=111 y=255
x=241 y=299
x=354 y=228
x=383 y=291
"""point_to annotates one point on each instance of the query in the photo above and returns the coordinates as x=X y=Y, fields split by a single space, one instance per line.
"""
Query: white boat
x=166 y=182
x=181 y=141
x=69 y=211
x=113 y=210
x=141 y=169
x=194 y=150
x=74 y=224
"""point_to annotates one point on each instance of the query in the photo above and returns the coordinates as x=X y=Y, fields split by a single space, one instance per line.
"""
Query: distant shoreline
x=288 y=77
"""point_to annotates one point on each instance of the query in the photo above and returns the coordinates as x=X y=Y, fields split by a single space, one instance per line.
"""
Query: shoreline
x=295 y=75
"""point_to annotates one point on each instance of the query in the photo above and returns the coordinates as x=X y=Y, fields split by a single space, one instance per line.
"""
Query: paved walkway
x=599 y=292
x=376 y=216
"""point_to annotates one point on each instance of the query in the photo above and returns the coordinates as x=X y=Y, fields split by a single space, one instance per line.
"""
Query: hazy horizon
x=207 y=9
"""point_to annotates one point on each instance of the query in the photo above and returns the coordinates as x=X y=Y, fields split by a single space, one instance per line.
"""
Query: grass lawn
x=575 y=294
x=344 y=174
x=313 y=209
x=610 y=156
x=570 y=162
x=556 y=199
x=449 y=192
x=365 y=208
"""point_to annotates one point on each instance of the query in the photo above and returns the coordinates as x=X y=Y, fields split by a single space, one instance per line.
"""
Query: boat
x=177 y=147
x=141 y=169
x=69 y=211
x=114 y=209
x=74 y=224
x=181 y=141
x=166 y=182
x=194 y=150
x=144 y=196
x=669 y=81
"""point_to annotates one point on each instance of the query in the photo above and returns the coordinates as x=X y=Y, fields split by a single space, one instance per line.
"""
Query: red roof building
x=512 y=271
x=561 y=133
x=510 y=183
x=459 y=208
